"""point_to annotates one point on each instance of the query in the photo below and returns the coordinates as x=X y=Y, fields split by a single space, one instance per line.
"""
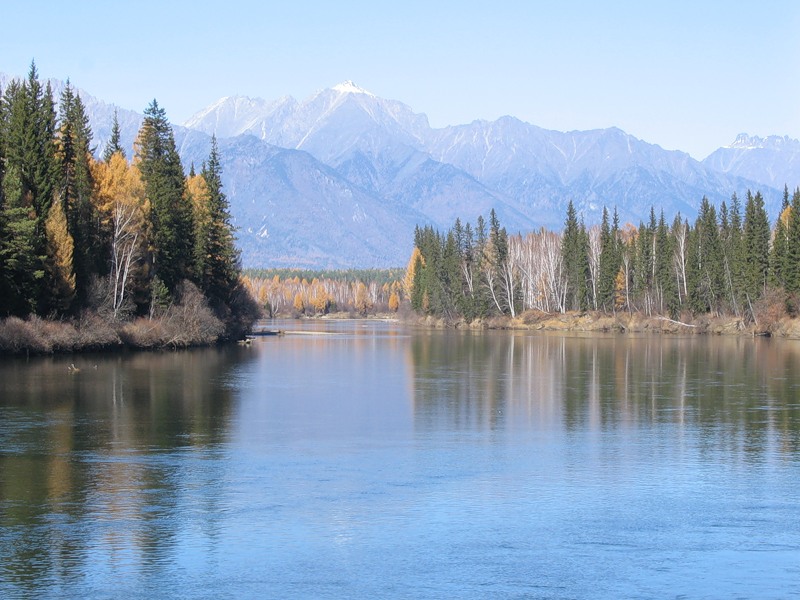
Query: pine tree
x=574 y=253
x=755 y=247
x=217 y=258
x=730 y=233
x=609 y=262
x=779 y=255
x=171 y=211
x=76 y=187
x=114 y=144
x=29 y=177
x=665 y=280
x=707 y=270
x=793 y=264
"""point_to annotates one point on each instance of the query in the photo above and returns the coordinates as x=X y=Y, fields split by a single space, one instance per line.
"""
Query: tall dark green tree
x=575 y=256
x=29 y=183
x=114 y=144
x=730 y=234
x=706 y=255
x=217 y=257
x=609 y=261
x=75 y=190
x=793 y=266
x=171 y=210
x=755 y=247
x=779 y=254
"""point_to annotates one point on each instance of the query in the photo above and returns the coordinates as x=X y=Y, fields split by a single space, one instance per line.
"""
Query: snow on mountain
x=348 y=87
x=328 y=124
x=773 y=161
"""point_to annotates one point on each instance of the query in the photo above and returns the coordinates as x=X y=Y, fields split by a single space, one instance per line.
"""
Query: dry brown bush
x=769 y=310
x=96 y=332
x=143 y=333
x=188 y=323
x=18 y=336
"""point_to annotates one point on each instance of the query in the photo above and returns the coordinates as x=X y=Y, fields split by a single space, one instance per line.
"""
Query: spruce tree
x=707 y=270
x=574 y=252
x=609 y=264
x=779 y=254
x=665 y=278
x=218 y=260
x=171 y=210
x=29 y=183
x=755 y=247
x=76 y=186
x=793 y=253
x=114 y=143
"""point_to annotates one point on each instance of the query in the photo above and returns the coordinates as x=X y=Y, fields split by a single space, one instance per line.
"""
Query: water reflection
x=740 y=392
x=87 y=470
x=339 y=459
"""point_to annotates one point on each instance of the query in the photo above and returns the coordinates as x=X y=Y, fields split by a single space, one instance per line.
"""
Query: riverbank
x=599 y=322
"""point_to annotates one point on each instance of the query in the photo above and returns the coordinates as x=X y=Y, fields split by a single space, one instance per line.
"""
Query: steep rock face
x=772 y=161
x=290 y=210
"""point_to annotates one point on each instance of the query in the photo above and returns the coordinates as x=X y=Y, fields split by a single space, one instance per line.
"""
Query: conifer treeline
x=113 y=237
x=724 y=264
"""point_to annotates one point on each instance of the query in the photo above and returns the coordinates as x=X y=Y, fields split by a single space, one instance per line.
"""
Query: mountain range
x=341 y=178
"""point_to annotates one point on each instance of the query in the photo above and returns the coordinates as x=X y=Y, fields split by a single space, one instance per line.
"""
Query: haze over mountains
x=342 y=178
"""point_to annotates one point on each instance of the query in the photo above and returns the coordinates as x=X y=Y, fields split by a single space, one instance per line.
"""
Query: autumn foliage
x=331 y=292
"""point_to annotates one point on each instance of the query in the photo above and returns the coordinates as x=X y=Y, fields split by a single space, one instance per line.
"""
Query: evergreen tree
x=29 y=177
x=755 y=247
x=730 y=233
x=793 y=264
x=218 y=258
x=779 y=255
x=76 y=187
x=707 y=270
x=114 y=144
x=609 y=262
x=576 y=260
x=665 y=280
x=171 y=210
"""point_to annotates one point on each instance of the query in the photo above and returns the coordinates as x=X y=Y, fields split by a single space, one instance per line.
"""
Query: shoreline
x=599 y=322
x=41 y=337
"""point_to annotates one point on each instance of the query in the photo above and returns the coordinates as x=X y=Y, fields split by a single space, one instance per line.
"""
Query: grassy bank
x=191 y=322
x=600 y=322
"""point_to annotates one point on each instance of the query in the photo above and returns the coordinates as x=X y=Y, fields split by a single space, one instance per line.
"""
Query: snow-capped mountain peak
x=348 y=87
x=748 y=142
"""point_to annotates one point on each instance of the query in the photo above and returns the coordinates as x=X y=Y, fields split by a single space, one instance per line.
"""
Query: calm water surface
x=365 y=460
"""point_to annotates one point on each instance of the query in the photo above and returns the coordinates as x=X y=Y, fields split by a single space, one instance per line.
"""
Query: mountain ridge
x=341 y=178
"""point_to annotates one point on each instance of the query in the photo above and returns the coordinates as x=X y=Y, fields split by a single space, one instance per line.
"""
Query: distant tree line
x=728 y=262
x=119 y=238
x=287 y=292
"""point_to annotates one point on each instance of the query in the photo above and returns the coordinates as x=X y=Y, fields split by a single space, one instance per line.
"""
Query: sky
x=686 y=75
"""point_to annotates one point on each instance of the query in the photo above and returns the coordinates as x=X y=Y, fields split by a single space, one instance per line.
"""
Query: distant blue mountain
x=342 y=178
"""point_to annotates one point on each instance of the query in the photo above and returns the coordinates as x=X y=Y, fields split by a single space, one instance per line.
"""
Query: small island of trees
x=109 y=252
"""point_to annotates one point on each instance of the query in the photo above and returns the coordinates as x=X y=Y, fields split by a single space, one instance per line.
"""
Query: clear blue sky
x=686 y=75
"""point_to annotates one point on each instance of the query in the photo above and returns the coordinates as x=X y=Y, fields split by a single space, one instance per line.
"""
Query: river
x=364 y=459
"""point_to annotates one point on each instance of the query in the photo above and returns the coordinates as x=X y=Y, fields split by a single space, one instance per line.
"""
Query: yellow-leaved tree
x=60 y=248
x=120 y=197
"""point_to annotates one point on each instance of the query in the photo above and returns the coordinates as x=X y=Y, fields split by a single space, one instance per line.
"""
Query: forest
x=729 y=263
x=355 y=292
x=105 y=252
